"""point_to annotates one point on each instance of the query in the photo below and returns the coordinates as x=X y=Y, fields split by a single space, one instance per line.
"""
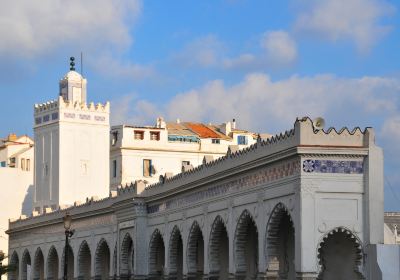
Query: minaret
x=71 y=146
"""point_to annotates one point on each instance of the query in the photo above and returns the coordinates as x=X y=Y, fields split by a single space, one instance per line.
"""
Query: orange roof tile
x=202 y=130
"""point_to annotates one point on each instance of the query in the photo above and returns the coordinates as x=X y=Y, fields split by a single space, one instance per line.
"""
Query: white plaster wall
x=83 y=144
x=17 y=191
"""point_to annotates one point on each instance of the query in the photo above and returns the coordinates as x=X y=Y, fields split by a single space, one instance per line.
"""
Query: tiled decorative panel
x=333 y=166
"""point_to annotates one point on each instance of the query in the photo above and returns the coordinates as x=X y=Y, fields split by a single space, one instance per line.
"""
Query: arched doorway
x=246 y=247
x=84 y=262
x=26 y=266
x=340 y=256
x=219 y=250
x=195 y=252
x=102 y=264
x=280 y=244
x=52 y=264
x=38 y=271
x=14 y=264
x=156 y=255
x=176 y=254
x=70 y=263
x=126 y=262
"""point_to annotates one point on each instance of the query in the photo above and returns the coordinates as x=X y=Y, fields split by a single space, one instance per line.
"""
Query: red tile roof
x=202 y=130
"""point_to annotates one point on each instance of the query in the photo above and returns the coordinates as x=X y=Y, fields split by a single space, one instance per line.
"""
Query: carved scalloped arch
x=271 y=234
x=156 y=240
x=84 y=259
x=173 y=248
x=353 y=237
x=102 y=259
x=126 y=248
x=36 y=263
x=52 y=263
x=195 y=233
x=217 y=228
x=245 y=220
x=14 y=261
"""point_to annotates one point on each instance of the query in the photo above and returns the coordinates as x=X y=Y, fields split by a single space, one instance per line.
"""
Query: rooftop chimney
x=12 y=137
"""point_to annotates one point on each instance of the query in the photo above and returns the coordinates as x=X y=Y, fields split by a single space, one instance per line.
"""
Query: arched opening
x=38 y=271
x=219 y=250
x=102 y=264
x=195 y=252
x=176 y=254
x=52 y=264
x=84 y=261
x=246 y=247
x=70 y=263
x=340 y=256
x=156 y=255
x=126 y=264
x=280 y=244
x=14 y=264
x=26 y=266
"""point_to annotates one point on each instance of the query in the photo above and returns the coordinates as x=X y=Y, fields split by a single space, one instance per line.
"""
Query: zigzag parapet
x=302 y=135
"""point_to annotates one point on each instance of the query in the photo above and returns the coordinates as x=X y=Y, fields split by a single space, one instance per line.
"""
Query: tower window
x=139 y=135
x=114 y=168
x=28 y=164
x=114 y=138
x=154 y=135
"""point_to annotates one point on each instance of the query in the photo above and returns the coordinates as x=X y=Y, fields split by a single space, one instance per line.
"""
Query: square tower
x=71 y=147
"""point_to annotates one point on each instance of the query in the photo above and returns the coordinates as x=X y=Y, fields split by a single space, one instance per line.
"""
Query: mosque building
x=206 y=201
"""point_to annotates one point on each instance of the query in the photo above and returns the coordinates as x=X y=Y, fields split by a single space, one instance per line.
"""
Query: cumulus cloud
x=204 y=51
x=355 y=20
x=280 y=48
x=265 y=105
x=29 y=28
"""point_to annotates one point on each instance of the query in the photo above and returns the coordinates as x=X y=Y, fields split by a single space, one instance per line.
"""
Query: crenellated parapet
x=303 y=135
x=60 y=109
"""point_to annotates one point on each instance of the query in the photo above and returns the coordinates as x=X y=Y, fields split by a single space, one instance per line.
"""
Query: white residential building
x=78 y=133
x=144 y=153
x=16 y=180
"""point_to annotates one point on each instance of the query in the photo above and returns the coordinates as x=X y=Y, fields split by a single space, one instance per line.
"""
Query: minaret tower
x=71 y=146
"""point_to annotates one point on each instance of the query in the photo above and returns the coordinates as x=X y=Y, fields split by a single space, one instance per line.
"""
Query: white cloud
x=265 y=105
x=115 y=67
x=241 y=61
x=355 y=20
x=204 y=51
x=31 y=28
x=280 y=48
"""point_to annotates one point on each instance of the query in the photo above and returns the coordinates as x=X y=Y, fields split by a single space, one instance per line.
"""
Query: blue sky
x=261 y=62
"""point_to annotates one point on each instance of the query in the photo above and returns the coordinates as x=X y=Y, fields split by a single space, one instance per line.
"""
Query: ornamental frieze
x=253 y=179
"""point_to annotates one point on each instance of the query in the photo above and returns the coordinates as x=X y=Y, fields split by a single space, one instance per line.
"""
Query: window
x=22 y=163
x=215 y=141
x=242 y=140
x=114 y=168
x=147 y=168
x=139 y=135
x=3 y=164
x=154 y=135
x=12 y=162
x=28 y=164
x=114 y=138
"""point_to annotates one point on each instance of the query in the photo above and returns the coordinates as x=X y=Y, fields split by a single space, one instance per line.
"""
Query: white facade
x=16 y=181
x=72 y=147
x=146 y=153
x=307 y=204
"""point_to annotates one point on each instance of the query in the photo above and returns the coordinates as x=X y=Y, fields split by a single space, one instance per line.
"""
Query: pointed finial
x=72 y=63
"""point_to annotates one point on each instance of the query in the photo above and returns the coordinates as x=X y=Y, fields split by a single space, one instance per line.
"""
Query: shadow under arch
x=246 y=246
x=102 y=261
x=126 y=261
x=52 y=264
x=156 y=255
x=340 y=255
x=195 y=252
x=280 y=249
x=38 y=265
x=219 y=250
